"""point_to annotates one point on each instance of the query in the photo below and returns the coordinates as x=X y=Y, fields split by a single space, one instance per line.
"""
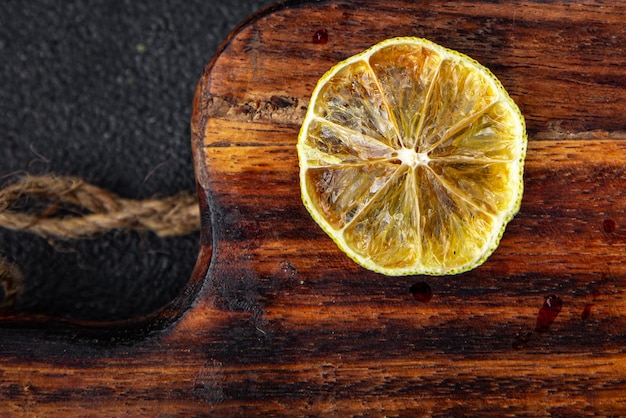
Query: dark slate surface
x=102 y=90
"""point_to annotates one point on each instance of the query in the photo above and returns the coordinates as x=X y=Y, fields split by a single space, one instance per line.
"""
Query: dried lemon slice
x=411 y=158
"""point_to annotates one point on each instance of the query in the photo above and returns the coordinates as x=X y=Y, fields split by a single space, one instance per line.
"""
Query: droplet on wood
x=586 y=312
x=609 y=226
x=320 y=37
x=421 y=292
x=549 y=311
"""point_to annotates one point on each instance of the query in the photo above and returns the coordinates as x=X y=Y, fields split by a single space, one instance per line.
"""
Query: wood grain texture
x=281 y=323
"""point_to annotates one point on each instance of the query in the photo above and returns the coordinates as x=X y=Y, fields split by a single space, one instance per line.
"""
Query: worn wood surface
x=277 y=321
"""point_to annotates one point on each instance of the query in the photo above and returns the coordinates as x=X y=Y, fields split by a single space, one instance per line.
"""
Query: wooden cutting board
x=276 y=321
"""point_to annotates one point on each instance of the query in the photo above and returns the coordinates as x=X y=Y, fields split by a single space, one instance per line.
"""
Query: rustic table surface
x=277 y=321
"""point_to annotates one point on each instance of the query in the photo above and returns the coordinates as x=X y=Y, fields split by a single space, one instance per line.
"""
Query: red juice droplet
x=547 y=314
x=320 y=37
x=421 y=292
x=609 y=226
x=586 y=312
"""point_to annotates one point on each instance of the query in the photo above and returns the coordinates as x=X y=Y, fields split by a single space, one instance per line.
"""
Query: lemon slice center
x=412 y=158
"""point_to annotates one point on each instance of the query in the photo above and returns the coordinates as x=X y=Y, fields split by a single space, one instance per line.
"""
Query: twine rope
x=169 y=216
x=10 y=283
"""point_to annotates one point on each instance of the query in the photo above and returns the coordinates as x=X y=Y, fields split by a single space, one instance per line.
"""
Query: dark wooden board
x=277 y=321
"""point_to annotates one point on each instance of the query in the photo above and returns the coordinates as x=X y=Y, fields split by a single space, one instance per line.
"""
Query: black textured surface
x=102 y=90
